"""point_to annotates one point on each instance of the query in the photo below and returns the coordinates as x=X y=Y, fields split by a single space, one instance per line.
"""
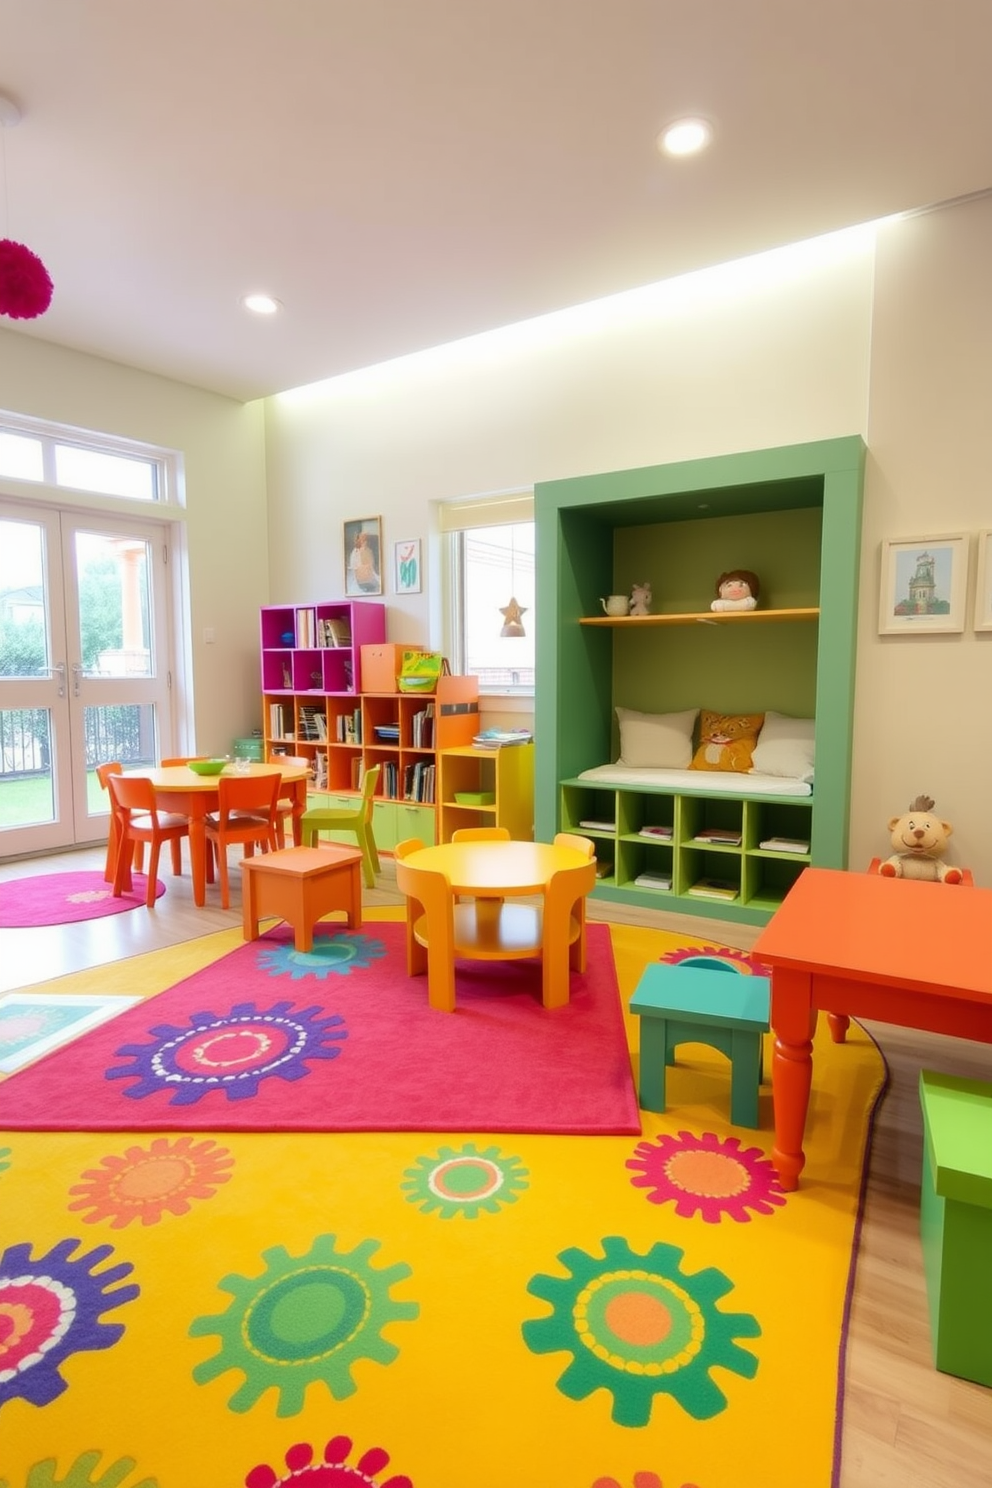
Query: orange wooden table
x=489 y=872
x=856 y=945
x=180 y=789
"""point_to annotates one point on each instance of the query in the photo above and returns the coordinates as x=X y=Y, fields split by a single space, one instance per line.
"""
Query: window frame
x=455 y=518
x=165 y=464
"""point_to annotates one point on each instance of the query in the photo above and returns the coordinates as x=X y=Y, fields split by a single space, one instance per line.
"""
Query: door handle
x=58 y=670
x=77 y=675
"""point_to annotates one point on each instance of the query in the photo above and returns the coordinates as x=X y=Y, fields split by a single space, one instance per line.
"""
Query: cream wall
x=226 y=558
x=924 y=704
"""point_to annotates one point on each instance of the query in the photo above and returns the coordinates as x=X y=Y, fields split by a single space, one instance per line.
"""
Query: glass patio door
x=84 y=667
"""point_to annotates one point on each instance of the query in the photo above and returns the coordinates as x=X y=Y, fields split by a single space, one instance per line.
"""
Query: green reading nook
x=671 y=832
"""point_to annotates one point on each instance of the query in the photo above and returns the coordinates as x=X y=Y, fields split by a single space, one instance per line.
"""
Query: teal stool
x=698 y=1005
x=956 y=1222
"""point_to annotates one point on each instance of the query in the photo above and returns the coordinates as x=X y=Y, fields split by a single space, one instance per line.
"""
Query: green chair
x=359 y=821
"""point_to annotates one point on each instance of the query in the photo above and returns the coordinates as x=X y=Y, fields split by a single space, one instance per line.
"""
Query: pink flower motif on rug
x=63 y=898
x=147 y=1183
x=717 y=958
x=708 y=1175
x=641 y=1480
x=332 y=1472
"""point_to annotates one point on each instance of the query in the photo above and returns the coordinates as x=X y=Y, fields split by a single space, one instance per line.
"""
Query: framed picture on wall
x=406 y=565
x=983 y=592
x=923 y=585
x=363 y=556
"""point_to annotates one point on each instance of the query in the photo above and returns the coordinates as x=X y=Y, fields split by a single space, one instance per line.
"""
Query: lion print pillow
x=726 y=740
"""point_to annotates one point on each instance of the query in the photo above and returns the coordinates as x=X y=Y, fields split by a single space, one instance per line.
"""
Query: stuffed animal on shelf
x=920 y=841
x=640 y=600
x=738 y=589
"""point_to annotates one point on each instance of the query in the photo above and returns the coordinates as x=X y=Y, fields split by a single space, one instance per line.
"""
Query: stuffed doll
x=920 y=841
x=640 y=600
x=738 y=589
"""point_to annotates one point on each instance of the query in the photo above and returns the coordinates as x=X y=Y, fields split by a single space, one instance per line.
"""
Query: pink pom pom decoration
x=25 y=286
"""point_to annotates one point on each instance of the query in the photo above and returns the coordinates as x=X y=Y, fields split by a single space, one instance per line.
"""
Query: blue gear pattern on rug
x=231 y=1051
x=304 y=1321
x=58 y=1302
x=639 y=1327
x=332 y=955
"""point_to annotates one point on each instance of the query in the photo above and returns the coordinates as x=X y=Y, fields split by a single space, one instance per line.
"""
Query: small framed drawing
x=983 y=593
x=406 y=561
x=923 y=585
x=363 y=556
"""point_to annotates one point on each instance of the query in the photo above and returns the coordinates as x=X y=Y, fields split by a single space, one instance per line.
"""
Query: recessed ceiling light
x=261 y=304
x=685 y=137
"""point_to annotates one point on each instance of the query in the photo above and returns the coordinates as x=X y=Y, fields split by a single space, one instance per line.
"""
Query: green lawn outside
x=27 y=801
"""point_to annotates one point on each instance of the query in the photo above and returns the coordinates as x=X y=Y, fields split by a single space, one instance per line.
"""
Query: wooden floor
x=905 y=1424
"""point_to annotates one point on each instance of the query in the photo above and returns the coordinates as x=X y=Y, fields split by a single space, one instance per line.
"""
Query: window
x=78 y=460
x=489 y=591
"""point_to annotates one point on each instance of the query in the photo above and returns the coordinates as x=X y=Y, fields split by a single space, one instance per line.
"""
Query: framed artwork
x=923 y=585
x=363 y=556
x=32 y=1023
x=406 y=564
x=983 y=593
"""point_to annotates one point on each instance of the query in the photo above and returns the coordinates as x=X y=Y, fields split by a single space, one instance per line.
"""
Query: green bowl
x=207 y=767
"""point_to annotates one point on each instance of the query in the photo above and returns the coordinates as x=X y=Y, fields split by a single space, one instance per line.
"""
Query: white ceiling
x=402 y=173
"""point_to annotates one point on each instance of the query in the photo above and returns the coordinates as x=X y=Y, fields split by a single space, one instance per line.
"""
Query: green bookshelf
x=793 y=516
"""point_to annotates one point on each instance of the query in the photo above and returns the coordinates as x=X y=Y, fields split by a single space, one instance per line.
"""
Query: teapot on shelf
x=616 y=604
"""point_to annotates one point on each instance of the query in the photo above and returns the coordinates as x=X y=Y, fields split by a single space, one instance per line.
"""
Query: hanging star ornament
x=513 y=615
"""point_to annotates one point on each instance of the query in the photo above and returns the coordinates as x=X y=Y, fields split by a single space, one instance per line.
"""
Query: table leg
x=793 y=1022
x=198 y=859
x=299 y=807
x=249 y=906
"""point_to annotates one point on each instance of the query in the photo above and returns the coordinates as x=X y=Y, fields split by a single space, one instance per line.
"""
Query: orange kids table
x=856 y=945
x=180 y=789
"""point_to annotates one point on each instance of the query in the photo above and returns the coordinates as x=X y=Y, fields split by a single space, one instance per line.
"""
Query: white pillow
x=785 y=747
x=662 y=741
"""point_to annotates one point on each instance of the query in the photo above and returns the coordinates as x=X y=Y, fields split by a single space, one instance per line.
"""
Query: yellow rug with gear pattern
x=424 y=1310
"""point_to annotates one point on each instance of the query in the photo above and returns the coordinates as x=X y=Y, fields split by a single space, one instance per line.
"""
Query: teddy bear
x=738 y=589
x=920 y=841
x=640 y=600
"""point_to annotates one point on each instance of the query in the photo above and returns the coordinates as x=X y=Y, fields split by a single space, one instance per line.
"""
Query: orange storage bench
x=301 y=885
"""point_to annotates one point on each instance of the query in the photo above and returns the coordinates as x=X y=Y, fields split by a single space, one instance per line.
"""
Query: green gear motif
x=638 y=1327
x=304 y=1320
x=80 y=1474
x=464 y=1181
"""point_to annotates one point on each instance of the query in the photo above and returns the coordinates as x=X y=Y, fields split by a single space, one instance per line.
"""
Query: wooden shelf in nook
x=705 y=617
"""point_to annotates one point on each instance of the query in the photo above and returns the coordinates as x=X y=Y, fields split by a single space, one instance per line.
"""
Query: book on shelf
x=592 y=825
x=719 y=836
x=654 y=880
x=714 y=888
x=604 y=868
x=785 y=844
x=333 y=633
x=660 y=833
x=494 y=738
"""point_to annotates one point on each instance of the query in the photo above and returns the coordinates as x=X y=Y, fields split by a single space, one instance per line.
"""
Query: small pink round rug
x=60 y=898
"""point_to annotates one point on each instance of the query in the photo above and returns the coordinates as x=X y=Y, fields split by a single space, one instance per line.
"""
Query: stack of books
x=494 y=738
x=719 y=836
x=714 y=888
x=785 y=844
x=654 y=880
x=591 y=824
x=659 y=833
